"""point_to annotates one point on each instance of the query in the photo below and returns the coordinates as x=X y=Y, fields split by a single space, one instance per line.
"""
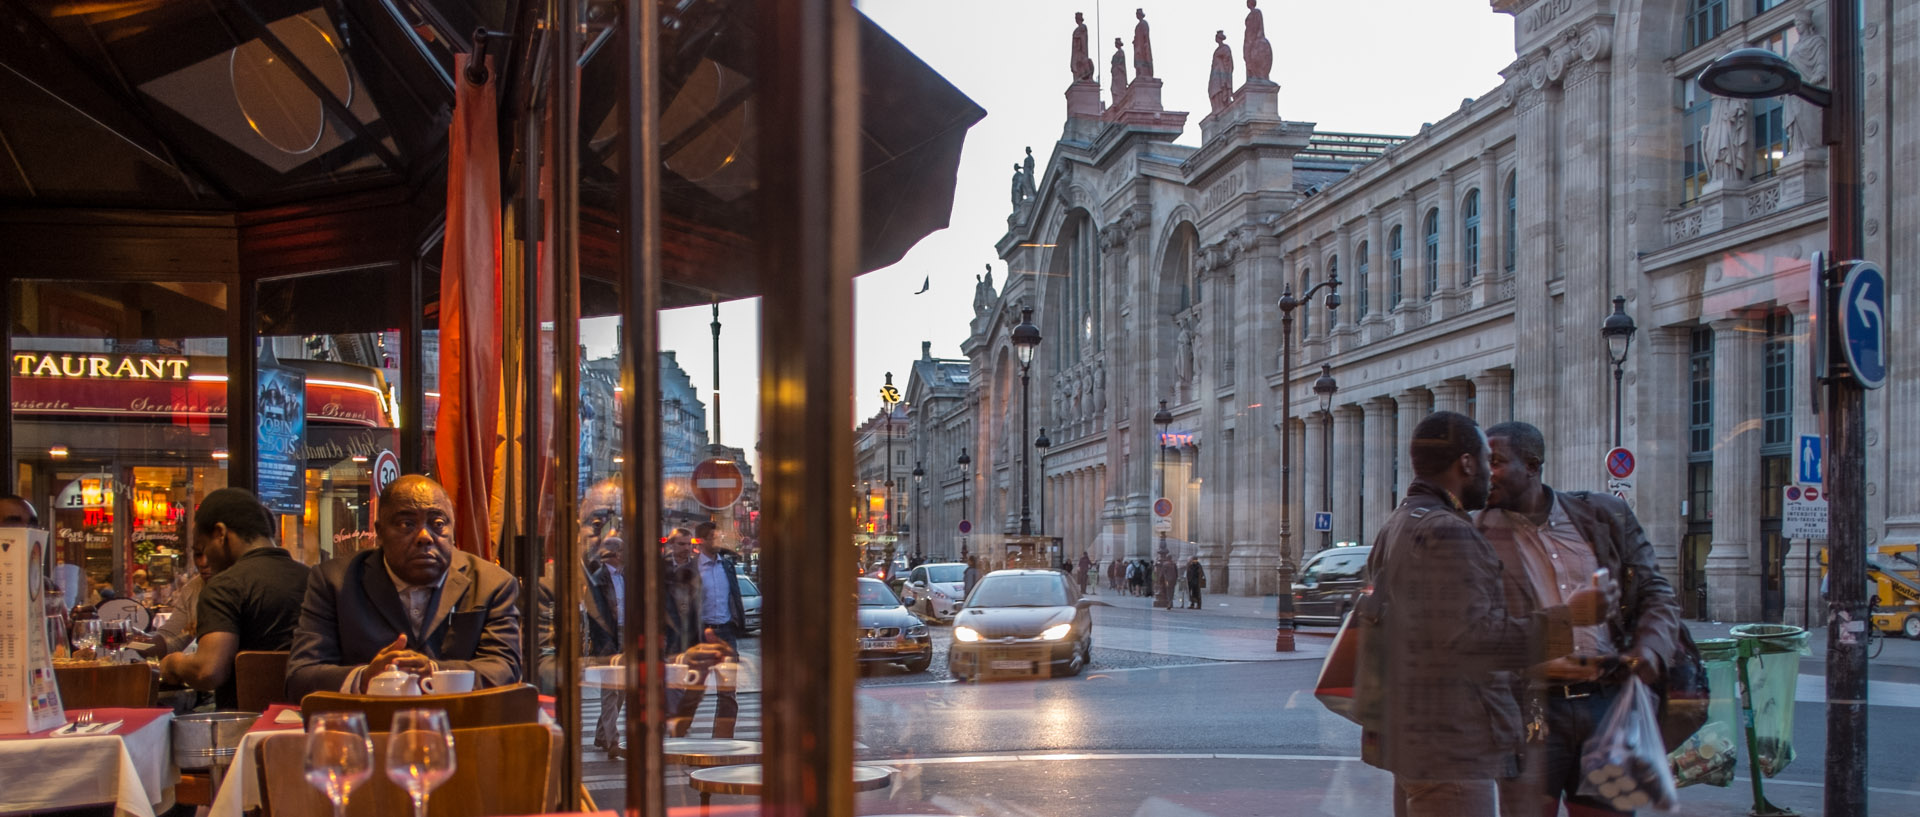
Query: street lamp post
x=1618 y=330
x=1163 y=418
x=1756 y=73
x=919 y=478
x=1043 y=444
x=1026 y=340
x=966 y=524
x=1283 y=637
x=1325 y=386
x=890 y=397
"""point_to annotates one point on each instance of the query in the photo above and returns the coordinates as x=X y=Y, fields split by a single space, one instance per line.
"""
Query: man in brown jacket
x=1551 y=543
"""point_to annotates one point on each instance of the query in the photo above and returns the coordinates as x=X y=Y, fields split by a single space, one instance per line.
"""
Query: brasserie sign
x=99 y=367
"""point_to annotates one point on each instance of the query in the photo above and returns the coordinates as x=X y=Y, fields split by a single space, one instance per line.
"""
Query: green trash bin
x=1770 y=656
x=1709 y=756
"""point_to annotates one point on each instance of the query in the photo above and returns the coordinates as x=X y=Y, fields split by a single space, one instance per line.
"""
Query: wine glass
x=86 y=634
x=339 y=755
x=420 y=753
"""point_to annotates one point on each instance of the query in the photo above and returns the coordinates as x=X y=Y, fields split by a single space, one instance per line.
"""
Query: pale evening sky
x=1369 y=66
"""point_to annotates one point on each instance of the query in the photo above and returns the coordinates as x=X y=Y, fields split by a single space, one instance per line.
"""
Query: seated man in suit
x=414 y=603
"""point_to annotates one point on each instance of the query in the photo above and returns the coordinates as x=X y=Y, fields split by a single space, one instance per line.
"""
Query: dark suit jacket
x=1648 y=615
x=352 y=610
x=1452 y=648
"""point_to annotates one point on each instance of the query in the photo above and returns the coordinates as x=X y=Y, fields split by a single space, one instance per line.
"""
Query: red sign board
x=717 y=484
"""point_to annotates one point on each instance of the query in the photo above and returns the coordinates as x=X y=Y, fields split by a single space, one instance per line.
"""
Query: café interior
x=379 y=226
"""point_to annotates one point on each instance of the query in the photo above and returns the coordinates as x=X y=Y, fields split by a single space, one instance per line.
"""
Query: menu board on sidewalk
x=29 y=695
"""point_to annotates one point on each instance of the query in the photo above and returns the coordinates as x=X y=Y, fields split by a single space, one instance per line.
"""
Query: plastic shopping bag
x=1624 y=764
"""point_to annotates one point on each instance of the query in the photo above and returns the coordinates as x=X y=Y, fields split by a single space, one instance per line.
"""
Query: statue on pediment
x=1026 y=166
x=1080 y=63
x=1809 y=56
x=1220 y=78
x=1725 y=140
x=983 y=295
x=1142 y=47
x=1254 y=48
x=1119 y=69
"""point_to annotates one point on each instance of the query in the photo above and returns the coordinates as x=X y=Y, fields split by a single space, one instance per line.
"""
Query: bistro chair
x=498 y=706
x=497 y=770
x=260 y=677
x=102 y=685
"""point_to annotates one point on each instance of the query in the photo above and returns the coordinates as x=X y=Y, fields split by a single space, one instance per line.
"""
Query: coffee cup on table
x=449 y=681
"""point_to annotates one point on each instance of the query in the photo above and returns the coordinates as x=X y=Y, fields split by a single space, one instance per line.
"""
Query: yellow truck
x=1893 y=588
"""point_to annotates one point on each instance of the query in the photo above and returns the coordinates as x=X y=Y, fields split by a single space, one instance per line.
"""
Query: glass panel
x=119 y=422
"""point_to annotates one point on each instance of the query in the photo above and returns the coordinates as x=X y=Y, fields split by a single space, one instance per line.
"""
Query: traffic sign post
x=1863 y=307
x=1323 y=522
x=1804 y=514
x=1619 y=464
x=1163 y=507
x=717 y=484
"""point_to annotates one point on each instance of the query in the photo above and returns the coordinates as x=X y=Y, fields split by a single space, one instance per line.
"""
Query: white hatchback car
x=935 y=590
x=750 y=599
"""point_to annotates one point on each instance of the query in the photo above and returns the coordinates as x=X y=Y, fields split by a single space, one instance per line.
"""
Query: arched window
x=1395 y=255
x=1078 y=269
x=1333 y=271
x=1360 y=273
x=1432 y=270
x=1510 y=233
x=1470 y=233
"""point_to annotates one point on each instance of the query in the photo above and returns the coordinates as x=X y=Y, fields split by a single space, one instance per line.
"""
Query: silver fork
x=83 y=722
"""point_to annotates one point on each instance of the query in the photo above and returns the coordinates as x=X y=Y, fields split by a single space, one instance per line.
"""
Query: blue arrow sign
x=1863 y=305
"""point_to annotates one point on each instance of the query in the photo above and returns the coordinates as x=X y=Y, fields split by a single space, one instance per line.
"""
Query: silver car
x=935 y=590
x=750 y=599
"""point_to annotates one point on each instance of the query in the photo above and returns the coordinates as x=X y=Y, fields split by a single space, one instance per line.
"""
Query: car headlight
x=917 y=631
x=1057 y=631
x=965 y=634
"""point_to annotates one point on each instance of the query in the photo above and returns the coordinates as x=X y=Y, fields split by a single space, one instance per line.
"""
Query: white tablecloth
x=132 y=769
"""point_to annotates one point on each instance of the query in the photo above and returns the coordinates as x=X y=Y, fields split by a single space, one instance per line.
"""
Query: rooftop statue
x=1220 y=79
x=1809 y=56
x=1142 y=47
x=1026 y=165
x=1724 y=141
x=1255 y=49
x=1081 y=64
x=1119 y=70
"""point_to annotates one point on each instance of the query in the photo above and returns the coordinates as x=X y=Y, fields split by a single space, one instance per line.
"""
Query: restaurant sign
x=99 y=367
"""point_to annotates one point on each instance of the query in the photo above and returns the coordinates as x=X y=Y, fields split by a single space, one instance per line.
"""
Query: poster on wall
x=29 y=695
x=281 y=434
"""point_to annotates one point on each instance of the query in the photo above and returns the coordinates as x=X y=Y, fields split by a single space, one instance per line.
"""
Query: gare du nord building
x=1477 y=261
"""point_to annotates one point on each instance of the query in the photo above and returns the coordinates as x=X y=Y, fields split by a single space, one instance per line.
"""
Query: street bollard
x=1283 y=632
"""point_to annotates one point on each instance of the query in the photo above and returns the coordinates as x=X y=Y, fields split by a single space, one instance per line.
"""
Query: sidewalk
x=1261 y=607
x=1231 y=628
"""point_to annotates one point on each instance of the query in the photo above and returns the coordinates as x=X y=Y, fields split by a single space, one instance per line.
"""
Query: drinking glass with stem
x=420 y=753
x=86 y=634
x=339 y=755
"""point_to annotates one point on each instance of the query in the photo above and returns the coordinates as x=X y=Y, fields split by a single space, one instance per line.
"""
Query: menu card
x=29 y=695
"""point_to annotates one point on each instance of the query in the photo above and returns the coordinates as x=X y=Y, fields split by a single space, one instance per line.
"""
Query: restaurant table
x=130 y=767
x=746 y=779
x=705 y=752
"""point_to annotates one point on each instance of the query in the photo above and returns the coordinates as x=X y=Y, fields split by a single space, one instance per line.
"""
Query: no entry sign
x=717 y=484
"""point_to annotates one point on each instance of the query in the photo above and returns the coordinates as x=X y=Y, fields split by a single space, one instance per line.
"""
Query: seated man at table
x=414 y=603
x=252 y=601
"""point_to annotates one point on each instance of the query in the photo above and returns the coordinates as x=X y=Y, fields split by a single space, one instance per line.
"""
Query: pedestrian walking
x=1114 y=573
x=1163 y=577
x=1133 y=577
x=1086 y=570
x=970 y=576
x=1196 y=581
x=1556 y=540
x=1443 y=719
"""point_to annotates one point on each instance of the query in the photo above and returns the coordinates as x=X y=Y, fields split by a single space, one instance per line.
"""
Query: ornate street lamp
x=919 y=477
x=1754 y=73
x=1618 y=330
x=1325 y=386
x=965 y=462
x=1043 y=444
x=1283 y=638
x=1026 y=340
x=889 y=397
x=1163 y=418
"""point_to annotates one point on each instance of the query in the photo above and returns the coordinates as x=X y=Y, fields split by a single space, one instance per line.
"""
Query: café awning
x=229 y=107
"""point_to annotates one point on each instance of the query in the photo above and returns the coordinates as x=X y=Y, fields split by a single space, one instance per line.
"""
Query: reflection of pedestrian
x=1163 y=580
x=1133 y=577
x=1196 y=581
x=1086 y=572
x=1114 y=574
x=971 y=576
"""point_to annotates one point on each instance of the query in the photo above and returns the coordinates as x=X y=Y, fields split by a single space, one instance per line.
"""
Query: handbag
x=1335 y=685
x=1683 y=692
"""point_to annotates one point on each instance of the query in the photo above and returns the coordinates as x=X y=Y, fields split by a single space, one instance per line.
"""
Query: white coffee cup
x=682 y=676
x=728 y=673
x=449 y=681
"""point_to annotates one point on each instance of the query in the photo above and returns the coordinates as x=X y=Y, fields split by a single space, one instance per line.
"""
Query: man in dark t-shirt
x=251 y=603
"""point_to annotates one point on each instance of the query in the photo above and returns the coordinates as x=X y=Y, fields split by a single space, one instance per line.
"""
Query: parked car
x=888 y=633
x=935 y=591
x=750 y=599
x=1021 y=624
x=1329 y=583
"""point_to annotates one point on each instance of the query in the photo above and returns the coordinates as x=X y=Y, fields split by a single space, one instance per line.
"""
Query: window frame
x=1470 y=235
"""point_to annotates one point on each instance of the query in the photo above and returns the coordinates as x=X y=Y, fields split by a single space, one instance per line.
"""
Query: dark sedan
x=888 y=633
x=1328 y=584
x=1021 y=624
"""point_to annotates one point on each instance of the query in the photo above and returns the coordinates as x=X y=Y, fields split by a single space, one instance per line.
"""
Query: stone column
x=1732 y=565
x=1342 y=322
x=1492 y=393
x=1450 y=395
x=1346 y=484
x=1584 y=416
x=1376 y=277
x=1310 y=482
x=1377 y=481
x=1254 y=565
x=1536 y=108
x=1410 y=249
x=1493 y=218
x=1447 y=270
x=1413 y=406
x=1299 y=512
x=1659 y=439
